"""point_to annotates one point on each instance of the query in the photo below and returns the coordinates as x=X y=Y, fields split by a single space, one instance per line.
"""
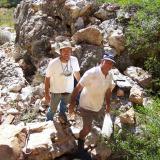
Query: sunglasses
x=67 y=73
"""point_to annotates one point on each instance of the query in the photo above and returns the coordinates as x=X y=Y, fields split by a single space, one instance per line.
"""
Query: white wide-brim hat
x=61 y=45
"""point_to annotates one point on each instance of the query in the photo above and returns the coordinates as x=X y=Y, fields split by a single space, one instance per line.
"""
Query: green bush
x=152 y=64
x=9 y=3
x=142 y=35
x=143 y=40
x=144 y=145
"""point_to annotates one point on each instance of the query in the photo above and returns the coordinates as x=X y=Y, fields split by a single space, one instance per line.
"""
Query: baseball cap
x=108 y=56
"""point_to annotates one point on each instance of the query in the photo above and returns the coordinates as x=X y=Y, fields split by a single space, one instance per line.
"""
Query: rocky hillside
x=92 y=28
x=87 y=24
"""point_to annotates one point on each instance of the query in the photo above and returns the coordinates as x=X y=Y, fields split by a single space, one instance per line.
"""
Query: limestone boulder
x=88 y=55
x=91 y=35
x=107 y=27
x=138 y=74
x=121 y=80
x=12 y=140
x=106 y=11
x=116 y=40
x=136 y=95
x=48 y=141
x=128 y=117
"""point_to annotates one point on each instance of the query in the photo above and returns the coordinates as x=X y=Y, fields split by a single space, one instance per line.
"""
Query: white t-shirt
x=95 y=86
x=59 y=83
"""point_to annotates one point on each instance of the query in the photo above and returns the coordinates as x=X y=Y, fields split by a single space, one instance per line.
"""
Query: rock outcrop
x=39 y=23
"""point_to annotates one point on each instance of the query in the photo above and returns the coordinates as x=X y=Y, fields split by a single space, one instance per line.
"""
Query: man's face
x=107 y=64
x=66 y=53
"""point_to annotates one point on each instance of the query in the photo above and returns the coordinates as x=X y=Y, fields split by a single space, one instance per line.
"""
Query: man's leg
x=63 y=107
x=87 y=117
x=55 y=100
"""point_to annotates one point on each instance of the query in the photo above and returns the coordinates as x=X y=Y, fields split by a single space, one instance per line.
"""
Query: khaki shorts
x=88 y=116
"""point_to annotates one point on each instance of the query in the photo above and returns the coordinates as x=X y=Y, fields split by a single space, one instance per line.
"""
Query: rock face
x=39 y=23
x=88 y=55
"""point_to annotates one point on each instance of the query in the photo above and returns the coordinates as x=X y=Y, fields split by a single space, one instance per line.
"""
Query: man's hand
x=47 y=98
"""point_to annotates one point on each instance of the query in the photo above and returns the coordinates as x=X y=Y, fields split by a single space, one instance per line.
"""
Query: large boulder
x=106 y=11
x=48 y=141
x=128 y=117
x=107 y=27
x=116 y=40
x=121 y=80
x=91 y=35
x=139 y=75
x=136 y=95
x=12 y=140
x=88 y=55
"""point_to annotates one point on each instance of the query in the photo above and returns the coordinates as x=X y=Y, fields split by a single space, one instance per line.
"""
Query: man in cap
x=95 y=85
x=59 y=80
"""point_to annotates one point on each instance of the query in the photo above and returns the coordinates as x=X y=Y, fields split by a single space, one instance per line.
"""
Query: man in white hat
x=96 y=85
x=59 y=80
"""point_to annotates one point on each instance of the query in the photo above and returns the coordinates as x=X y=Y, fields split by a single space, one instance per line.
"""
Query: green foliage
x=125 y=3
x=9 y=3
x=152 y=64
x=143 y=40
x=6 y=17
x=142 y=35
x=144 y=145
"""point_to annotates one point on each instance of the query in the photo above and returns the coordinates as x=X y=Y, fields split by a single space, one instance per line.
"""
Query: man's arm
x=47 y=89
x=108 y=97
x=77 y=76
x=74 y=94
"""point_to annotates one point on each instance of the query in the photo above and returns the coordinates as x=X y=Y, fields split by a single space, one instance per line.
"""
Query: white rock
x=15 y=87
x=13 y=111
